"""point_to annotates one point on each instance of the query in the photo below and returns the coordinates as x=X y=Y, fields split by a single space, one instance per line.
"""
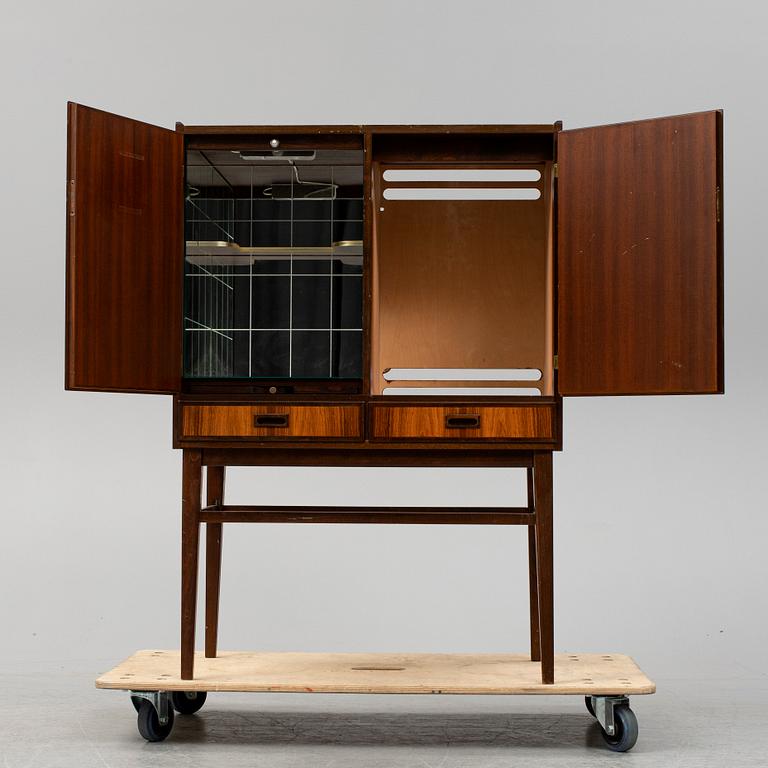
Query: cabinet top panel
x=206 y=130
x=480 y=128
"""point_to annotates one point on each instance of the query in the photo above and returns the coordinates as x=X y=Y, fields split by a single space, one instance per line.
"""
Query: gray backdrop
x=660 y=508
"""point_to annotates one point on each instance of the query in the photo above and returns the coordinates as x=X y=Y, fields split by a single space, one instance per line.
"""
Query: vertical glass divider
x=204 y=334
x=250 y=282
x=290 y=289
x=330 y=303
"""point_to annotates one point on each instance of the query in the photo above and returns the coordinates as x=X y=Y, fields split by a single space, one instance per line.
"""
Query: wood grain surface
x=124 y=254
x=640 y=257
x=575 y=674
x=390 y=422
x=311 y=421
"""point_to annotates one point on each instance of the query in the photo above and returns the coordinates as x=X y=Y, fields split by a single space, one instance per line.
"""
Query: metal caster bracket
x=160 y=700
x=603 y=707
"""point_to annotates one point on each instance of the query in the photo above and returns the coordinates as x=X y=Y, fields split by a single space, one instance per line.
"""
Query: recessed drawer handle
x=270 y=420
x=462 y=422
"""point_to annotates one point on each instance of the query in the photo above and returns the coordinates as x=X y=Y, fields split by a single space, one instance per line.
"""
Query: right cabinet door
x=640 y=257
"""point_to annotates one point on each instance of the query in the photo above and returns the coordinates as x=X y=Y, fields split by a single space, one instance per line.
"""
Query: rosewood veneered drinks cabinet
x=390 y=295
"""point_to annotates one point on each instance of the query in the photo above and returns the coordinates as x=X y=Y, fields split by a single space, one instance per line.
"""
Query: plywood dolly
x=156 y=689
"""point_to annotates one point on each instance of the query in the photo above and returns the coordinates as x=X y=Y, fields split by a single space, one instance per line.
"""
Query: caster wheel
x=625 y=727
x=149 y=723
x=588 y=704
x=136 y=701
x=188 y=702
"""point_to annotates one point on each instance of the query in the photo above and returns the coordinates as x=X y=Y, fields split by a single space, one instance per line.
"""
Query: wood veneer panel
x=478 y=145
x=640 y=258
x=447 y=454
x=392 y=422
x=461 y=283
x=247 y=139
x=311 y=421
x=369 y=515
x=272 y=130
x=124 y=254
x=487 y=673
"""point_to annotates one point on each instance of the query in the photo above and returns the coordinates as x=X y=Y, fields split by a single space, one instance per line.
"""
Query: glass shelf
x=221 y=252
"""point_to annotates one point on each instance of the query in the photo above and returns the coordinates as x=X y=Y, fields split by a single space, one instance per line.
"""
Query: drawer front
x=462 y=423
x=272 y=422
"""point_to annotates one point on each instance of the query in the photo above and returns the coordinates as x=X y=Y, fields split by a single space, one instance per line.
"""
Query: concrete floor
x=51 y=715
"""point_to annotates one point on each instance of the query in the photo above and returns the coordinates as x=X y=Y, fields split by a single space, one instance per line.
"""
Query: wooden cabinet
x=389 y=296
x=515 y=264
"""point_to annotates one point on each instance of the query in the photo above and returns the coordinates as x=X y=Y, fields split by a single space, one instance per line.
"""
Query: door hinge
x=72 y=197
x=556 y=362
x=554 y=170
x=718 y=203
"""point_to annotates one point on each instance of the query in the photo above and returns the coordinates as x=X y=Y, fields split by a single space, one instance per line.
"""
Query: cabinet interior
x=273 y=263
x=463 y=266
x=458 y=269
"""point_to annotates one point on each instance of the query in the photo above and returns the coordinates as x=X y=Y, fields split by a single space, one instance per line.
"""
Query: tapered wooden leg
x=213 y=534
x=533 y=586
x=190 y=541
x=542 y=486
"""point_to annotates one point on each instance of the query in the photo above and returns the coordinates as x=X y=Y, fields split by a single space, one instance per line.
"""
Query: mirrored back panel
x=273 y=285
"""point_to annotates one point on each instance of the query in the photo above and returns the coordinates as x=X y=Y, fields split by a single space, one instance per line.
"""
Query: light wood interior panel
x=317 y=421
x=462 y=283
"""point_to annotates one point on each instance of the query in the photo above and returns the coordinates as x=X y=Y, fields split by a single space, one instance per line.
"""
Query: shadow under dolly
x=237 y=726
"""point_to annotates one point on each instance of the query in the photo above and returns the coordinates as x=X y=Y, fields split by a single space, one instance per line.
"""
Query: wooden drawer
x=463 y=422
x=272 y=422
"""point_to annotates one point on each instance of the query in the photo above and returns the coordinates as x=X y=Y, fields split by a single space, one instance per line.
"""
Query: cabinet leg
x=533 y=578
x=542 y=481
x=190 y=542
x=213 y=535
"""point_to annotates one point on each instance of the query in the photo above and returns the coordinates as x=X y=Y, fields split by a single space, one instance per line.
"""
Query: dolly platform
x=605 y=680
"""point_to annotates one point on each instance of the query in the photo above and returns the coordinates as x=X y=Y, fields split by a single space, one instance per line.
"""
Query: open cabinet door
x=124 y=254
x=640 y=270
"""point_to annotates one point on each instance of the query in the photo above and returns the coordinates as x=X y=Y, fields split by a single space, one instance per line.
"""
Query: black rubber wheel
x=588 y=704
x=188 y=702
x=625 y=727
x=149 y=722
x=136 y=701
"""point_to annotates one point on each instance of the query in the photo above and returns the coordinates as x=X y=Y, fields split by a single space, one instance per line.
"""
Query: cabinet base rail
x=228 y=513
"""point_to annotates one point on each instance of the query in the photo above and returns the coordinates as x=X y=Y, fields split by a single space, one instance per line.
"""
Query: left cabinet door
x=125 y=199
